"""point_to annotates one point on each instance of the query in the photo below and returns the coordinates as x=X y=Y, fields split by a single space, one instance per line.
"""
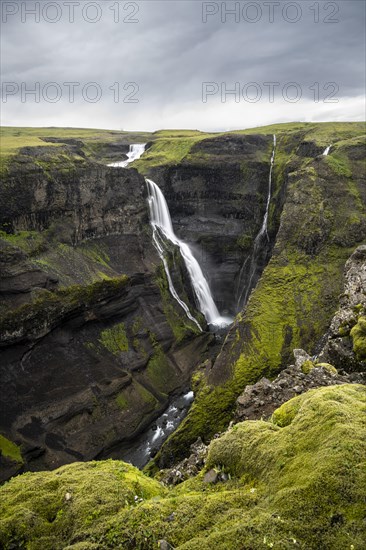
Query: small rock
x=211 y=477
x=164 y=545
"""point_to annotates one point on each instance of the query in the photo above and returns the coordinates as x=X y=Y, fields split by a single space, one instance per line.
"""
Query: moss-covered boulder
x=297 y=481
x=47 y=509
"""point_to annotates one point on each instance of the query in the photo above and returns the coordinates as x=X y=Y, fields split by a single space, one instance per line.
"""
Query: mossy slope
x=322 y=221
x=299 y=486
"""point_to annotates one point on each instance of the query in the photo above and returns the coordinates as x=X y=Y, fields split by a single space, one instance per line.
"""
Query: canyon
x=139 y=269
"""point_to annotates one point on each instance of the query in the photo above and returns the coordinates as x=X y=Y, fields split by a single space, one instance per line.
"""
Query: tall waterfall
x=326 y=152
x=163 y=229
x=135 y=152
x=258 y=242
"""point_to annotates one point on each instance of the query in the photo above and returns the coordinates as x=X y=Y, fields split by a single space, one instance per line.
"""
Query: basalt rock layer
x=92 y=344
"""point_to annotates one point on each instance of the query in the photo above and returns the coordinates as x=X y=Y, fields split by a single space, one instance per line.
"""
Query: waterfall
x=135 y=152
x=263 y=230
x=258 y=241
x=326 y=152
x=163 y=229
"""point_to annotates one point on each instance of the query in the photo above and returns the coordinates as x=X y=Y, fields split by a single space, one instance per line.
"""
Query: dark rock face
x=217 y=198
x=309 y=149
x=83 y=377
x=93 y=201
x=93 y=377
x=322 y=221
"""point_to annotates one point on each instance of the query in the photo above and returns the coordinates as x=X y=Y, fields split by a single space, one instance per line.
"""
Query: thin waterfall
x=163 y=229
x=135 y=152
x=326 y=152
x=263 y=230
x=159 y=245
x=263 y=233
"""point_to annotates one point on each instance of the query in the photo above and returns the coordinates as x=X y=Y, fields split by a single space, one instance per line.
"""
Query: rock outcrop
x=260 y=400
x=339 y=348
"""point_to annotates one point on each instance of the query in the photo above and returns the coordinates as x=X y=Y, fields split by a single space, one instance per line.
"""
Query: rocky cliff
x=92 y=344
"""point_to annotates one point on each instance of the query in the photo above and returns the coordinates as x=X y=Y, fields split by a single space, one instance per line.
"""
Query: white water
x=326 y=152
x=135 y=152
x=162 y=227
x=262 y=232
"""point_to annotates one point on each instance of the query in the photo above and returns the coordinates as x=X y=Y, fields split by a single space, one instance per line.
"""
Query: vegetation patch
x=115 y=339
x=10 y=450
x=358 y=335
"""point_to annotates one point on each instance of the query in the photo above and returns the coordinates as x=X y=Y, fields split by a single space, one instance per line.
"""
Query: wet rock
x=213 y=205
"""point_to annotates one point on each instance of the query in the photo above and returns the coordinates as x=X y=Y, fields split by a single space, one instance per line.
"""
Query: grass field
x=169 y=146
x=14 y=138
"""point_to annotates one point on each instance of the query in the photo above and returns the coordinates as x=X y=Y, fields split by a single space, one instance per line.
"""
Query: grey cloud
x=170 y=52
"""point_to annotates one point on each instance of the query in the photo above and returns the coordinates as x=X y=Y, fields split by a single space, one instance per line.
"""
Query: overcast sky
x=176 y=60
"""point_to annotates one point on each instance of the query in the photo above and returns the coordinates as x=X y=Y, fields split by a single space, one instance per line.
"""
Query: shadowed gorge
x=119 y=265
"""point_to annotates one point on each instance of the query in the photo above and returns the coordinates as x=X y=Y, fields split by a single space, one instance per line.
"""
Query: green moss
x=115 y=339
x=307 y=366
x=96 y=253
x=10 y=450
x=169 y=148
x=327 y=367
x=180 y=325
x=285 y=414
x=160 y=372
x=297 y=486
x=298 y=292
x=339 y=165
x=245 y=242
x=70 y=502
x=122 y=401
x=31 y=242
x=145 y=395
x=358 y=335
